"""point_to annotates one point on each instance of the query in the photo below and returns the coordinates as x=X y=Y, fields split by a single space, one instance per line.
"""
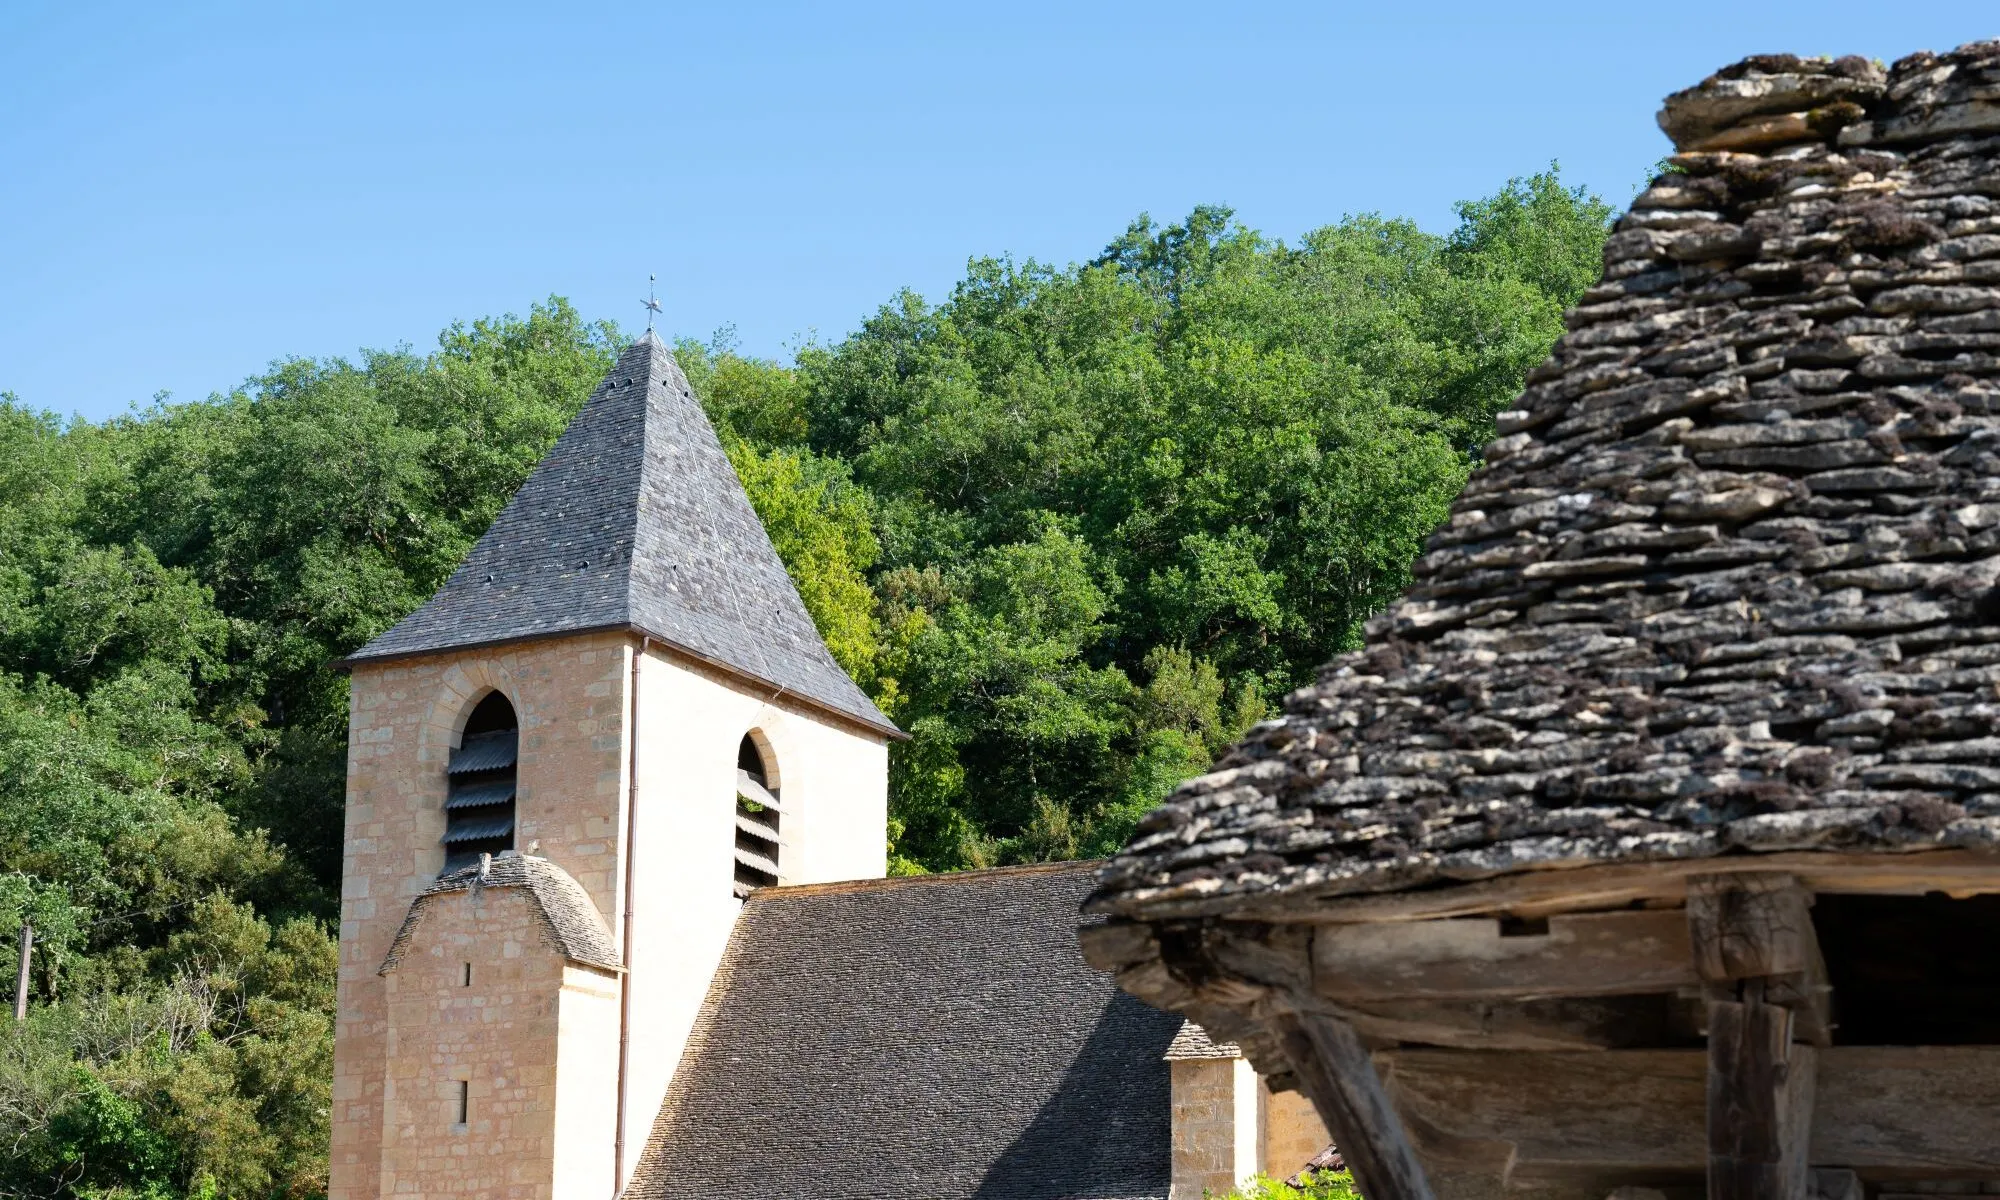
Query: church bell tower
x=565 y=771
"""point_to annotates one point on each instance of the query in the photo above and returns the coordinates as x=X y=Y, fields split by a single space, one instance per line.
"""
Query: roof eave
x=1955 y=869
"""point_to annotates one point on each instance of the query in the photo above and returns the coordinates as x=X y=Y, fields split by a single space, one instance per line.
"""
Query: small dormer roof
x=1193 y=1042
x=636 y=521
x=570 y=920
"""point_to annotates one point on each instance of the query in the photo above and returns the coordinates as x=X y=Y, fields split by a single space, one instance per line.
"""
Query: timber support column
x=1765 y=981
x=1336 y=1070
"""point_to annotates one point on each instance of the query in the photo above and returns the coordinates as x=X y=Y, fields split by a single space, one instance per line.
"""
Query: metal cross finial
x=652 y=302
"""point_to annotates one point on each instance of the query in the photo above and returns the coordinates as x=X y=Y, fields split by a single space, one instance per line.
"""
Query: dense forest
x=1074 y=528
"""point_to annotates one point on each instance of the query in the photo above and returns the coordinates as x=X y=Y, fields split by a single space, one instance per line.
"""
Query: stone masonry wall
x=482 y=996
x=496 y=1034
x=1292 y=1132
x=586 y=1085
x=1215 y=1125
x=405 y=717
x=571 y=696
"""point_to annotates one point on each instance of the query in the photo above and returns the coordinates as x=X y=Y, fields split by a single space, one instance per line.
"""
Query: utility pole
x=21 y=976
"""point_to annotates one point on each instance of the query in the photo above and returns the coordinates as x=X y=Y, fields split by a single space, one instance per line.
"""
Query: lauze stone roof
x=1725 y=582
x=934 y=1037
x=636 y=520
x=570 y=921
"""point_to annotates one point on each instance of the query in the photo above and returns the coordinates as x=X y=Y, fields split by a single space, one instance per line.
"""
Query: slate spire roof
x=1726 y=583
x=636 y=521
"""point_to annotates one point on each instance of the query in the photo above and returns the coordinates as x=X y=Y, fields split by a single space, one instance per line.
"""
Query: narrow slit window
x=758 y=814
x=468 y=976
x=479 y=799
x=464 y=1102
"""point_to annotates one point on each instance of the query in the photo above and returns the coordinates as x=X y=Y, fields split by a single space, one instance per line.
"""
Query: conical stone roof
x=1726 y=581
x=636 y=521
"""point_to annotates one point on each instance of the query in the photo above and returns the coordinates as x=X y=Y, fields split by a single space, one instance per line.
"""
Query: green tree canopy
x=1074 y=528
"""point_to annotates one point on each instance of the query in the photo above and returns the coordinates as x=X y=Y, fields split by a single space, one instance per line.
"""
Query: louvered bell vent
x=479 y=802
x=757 y=817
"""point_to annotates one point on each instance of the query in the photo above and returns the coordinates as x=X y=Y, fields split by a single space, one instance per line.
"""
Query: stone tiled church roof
x=938 y=1037
x=1726 y=581
x=569 y=918
x=636 y=520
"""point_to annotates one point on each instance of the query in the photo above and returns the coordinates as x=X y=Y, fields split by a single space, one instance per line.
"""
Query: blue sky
x=190 y=191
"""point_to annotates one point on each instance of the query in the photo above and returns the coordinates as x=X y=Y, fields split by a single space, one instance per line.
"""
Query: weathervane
x=652 y=303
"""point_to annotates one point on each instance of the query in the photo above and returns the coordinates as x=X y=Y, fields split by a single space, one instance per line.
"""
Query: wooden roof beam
x=1557 y=1023
x=1958 y=873
x=1747 y=927
x=1588 y=954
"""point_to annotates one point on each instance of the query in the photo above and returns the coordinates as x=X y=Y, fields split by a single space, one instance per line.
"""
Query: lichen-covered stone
x=1729 y=578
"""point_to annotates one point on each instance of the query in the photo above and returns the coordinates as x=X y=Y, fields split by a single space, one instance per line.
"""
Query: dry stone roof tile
x=636 y=520
x=1726 y=581
x=571 y=922
x=938 y=1037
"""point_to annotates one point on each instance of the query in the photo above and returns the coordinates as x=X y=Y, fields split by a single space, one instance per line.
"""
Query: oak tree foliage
x=1075 y=528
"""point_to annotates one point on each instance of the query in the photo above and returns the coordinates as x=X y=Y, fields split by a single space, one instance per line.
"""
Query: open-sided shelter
x=1650 y=840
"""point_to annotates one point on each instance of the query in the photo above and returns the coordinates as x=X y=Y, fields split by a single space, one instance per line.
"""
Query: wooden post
x=1755 y=951
x=1337 y=1073
x=1760 y=1091
x=21 y=975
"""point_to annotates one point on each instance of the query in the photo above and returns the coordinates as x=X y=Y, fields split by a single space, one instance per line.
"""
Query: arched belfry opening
x=757 y=815
x=479 y=803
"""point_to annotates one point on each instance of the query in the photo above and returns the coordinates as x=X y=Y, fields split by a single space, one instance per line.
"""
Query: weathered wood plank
x=1931 y=1109
x=1553 y=1114
x=1580 y=1023
x=1113 y=945
x=1590 y=954
x=1275 y=956
x=1336 y=1072
x=1760 y=1092
x=1909 y=1111
x=1958 y=873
